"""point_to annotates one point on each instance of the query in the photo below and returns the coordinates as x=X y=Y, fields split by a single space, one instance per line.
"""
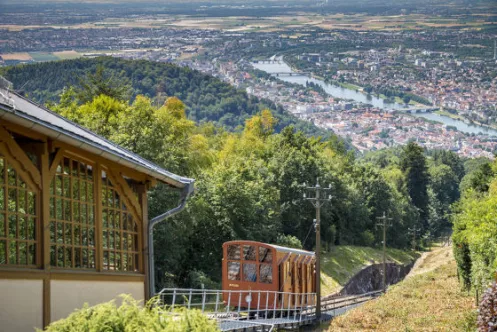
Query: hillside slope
x=343 y=262
x=206 y=98
x=428 y=301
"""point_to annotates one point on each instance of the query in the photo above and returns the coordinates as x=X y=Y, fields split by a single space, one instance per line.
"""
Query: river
x=343 y=93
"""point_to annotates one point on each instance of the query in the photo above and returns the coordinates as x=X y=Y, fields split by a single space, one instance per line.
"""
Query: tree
x=103 y=83
x=413 y=165
x=406 y=99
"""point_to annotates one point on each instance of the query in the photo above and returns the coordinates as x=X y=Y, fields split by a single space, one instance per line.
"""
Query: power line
x=318 y=201
x=384 y=224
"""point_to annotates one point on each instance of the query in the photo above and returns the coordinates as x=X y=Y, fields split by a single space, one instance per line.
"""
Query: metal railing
x=258 y=310
x=241 y=304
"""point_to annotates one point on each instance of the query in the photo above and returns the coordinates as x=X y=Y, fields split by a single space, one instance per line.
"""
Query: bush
x=289 y=241
x=130 y=316
x=487 y=316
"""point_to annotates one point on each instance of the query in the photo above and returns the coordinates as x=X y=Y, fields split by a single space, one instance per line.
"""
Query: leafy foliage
x=130 y=316
x=475 y=236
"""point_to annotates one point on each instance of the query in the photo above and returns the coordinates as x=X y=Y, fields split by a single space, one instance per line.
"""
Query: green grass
x=43 y=56
x=450 y=115
x=431 y=301
x=342 y=262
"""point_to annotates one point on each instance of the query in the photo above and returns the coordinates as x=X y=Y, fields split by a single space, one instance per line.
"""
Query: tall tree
x=413 y=165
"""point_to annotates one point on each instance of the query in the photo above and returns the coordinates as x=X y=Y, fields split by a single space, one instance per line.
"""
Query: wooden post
x=142 y=189
x=44 y=237
x=97 y=187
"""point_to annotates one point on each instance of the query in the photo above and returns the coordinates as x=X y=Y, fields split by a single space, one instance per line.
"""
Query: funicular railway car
x=264 y=276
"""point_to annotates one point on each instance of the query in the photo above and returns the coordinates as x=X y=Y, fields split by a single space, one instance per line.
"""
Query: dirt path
x=431 y=260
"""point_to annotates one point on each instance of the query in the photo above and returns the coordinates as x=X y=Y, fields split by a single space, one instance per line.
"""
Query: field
x=43 y=56
x=16 y=57
x=342 y=262
x=429 y=300
x=67 y=55
x=358 y=22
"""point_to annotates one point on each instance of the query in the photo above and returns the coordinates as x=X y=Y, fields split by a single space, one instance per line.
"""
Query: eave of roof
x=20 y=110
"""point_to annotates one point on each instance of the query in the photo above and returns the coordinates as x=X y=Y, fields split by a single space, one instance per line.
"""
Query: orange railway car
x=263 y=269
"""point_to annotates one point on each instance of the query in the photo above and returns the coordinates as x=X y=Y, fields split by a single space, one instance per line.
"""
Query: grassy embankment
x=342 y=262
x=428 y=300
x=462 y=118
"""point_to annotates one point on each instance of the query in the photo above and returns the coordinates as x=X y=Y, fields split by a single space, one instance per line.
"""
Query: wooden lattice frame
x=72 y=215
x=121 y=236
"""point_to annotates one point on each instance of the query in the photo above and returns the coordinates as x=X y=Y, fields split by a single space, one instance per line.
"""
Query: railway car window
x=265 y=255
x=233 y=271
x=234 y=252
x=249 y=253
x=249 y=272
x=266 y=273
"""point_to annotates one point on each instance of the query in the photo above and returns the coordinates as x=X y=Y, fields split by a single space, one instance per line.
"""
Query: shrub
x=487 y=316
x=289 y=241
x=130 y=316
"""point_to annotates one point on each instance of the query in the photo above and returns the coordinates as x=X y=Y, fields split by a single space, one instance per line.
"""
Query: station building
x=73 y=216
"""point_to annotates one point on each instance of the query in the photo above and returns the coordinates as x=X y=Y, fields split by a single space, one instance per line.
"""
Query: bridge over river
x=294 y=309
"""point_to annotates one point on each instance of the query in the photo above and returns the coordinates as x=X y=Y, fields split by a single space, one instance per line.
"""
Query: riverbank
x=461 y=118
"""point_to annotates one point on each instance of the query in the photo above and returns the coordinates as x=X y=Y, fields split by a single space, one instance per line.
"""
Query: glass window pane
x=249 y=253
x=23 y=228
x=23 y=253
x=12 y=200
x=233 y=271
x=2 y=225
x=22 y=201
x=234 y=252
x=12 y=226
x=2 y=198
x=3 y=252
x=31 y=203
x=32 y=254
x=2 y=168
x=249 y=272
x=11 y=176
x=266 y=273
x=12 y=253
x=31 y=229
x=265 y=255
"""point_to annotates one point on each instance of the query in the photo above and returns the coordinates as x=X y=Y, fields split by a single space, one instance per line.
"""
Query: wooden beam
x=142 y=190
x=126 y=194
x=46 y=303
x=75 y=275
x=27 y=132
x=43 y=213
x=23 y=162
x=99 y=254
x=59 y=155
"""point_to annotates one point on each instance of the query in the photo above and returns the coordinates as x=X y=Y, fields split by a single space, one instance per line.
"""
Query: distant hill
x=207 y=98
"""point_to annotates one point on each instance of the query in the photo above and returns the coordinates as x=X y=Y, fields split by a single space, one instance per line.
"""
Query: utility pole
x=317 y=200
x=413 y=231
x=384 y=224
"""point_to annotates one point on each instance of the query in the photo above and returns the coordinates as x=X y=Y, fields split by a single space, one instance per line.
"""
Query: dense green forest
x=250 y=180
x=206 y=98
